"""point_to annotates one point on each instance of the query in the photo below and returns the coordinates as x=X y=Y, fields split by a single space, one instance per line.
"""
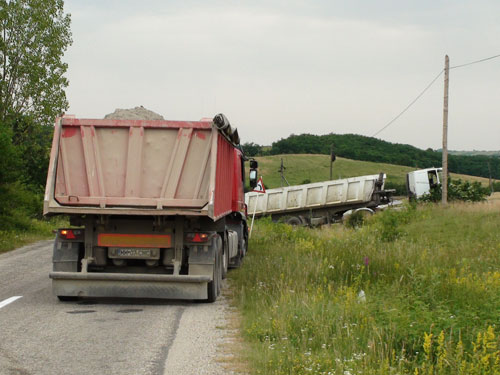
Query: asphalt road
x=40 y=335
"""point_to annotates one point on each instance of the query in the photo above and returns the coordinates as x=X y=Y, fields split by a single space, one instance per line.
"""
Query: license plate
x=133 y=253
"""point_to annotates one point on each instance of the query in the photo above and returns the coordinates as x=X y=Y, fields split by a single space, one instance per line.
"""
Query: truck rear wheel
x=213 y=287
x=225 y=259
x=238 y=259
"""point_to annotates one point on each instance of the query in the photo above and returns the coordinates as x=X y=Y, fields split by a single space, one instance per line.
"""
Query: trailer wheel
x=243 y=247
x=236 y=261
x=219 y=274
x=213 y=287
x=225 y=258
x=294 y=220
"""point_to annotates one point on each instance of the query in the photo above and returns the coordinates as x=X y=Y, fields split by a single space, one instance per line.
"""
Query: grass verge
x=21 y=219
x=36 y=230
x=415 y=291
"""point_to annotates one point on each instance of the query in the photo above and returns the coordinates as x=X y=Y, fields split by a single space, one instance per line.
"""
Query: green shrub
x=459 y=190
x=389 y=222
x=19 y=206
x=355 y=220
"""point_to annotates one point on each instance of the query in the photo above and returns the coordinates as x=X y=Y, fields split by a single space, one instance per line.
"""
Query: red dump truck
x=156 y=208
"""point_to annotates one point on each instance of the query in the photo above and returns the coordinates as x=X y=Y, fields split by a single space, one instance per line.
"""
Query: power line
x=474 y=62
x=427 y=87
x=409 y=105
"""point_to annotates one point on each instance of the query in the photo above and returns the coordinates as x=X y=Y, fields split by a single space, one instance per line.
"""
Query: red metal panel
x=223 y=178
x=238 y=201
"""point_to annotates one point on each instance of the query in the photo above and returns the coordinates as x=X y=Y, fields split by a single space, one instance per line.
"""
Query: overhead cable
x=409 y=105
x=474 y=62
x=428 y=86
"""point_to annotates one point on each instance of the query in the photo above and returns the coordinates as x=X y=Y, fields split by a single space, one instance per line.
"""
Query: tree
x=252 y=149
x=34 y=34
x=32 y=142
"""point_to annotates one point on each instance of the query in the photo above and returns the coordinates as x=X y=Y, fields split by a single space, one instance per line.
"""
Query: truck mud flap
x=79 y=284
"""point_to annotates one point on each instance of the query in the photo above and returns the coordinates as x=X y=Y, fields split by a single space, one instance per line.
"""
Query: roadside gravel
x=201 y=341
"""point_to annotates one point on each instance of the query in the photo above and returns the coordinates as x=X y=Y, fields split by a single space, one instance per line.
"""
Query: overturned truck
x=156 y=207
x=321 y=202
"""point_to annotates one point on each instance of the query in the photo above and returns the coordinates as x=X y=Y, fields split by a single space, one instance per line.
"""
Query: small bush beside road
x=415 y=291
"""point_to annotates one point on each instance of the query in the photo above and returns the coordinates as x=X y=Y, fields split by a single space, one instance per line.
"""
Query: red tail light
x=70 y=234
x=197 y=237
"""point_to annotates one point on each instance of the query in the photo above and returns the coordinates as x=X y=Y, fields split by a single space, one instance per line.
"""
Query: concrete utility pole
x=445 y=130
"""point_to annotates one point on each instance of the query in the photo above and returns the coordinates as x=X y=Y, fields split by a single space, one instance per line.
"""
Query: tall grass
x=412 y=291
x=21 y=219
x=36 y=230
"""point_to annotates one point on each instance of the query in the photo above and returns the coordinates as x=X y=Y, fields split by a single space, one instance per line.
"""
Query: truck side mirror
x=253 y=178
x=254 y=164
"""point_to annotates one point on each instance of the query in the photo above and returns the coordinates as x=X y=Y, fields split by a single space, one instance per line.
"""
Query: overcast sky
x=280 y=67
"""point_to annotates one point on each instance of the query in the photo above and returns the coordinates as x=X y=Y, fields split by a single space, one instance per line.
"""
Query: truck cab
x=420 y=182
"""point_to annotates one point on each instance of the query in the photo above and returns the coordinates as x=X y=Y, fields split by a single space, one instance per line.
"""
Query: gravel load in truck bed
x=137 y=113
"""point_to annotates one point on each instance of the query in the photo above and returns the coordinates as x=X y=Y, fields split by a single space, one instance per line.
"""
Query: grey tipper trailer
x=320 y=202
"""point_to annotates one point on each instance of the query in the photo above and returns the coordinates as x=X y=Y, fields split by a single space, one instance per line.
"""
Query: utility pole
x=444 y=184
x=332 y=159
x=491 y=181
x=282 y=173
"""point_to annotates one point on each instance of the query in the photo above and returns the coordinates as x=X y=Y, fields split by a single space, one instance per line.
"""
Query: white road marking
x=9 y=300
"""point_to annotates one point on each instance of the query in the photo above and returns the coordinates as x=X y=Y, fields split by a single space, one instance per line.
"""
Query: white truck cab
x=420 y=182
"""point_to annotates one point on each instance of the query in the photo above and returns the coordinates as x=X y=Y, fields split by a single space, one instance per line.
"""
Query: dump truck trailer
x=320 y=202
x=156 y=208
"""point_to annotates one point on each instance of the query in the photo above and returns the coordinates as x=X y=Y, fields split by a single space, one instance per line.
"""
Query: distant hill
x=358 y=147
x=314 y=168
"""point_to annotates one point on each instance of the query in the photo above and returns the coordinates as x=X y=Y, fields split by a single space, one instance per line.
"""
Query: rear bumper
x=91 y=284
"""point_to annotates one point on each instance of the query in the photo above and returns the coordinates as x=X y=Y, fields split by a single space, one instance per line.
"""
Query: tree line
x=34 y=34
x=359 y=147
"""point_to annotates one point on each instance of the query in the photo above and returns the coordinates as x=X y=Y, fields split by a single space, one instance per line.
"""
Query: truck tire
x=294 y=220
x=219 y=274
x=225 y=259
x=213 y=287
x=244 y=247
x=238 y=259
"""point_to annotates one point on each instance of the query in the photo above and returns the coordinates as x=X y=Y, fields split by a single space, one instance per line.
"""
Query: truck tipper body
x=156 y=207
x=320 y=202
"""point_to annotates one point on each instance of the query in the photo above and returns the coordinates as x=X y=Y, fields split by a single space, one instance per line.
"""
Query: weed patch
x=21 y=219
x=411 y=291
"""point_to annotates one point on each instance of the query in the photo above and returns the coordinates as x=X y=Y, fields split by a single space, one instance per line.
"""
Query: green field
x=317 y=168
x=414 y=291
